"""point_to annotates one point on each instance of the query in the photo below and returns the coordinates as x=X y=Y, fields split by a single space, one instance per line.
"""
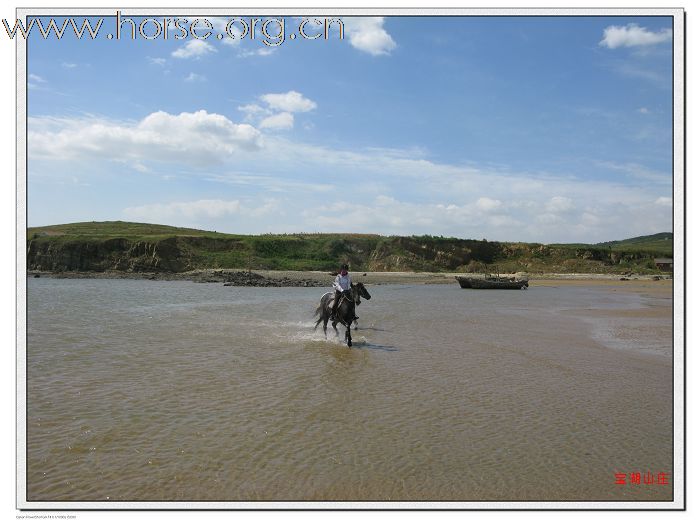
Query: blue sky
x=540 y=129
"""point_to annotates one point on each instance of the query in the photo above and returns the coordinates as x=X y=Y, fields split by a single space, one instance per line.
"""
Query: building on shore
x=665 y=265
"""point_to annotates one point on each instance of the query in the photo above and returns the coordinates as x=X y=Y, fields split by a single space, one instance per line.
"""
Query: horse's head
x=359 y=290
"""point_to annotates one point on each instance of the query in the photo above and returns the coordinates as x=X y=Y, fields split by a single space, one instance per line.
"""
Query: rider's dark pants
x=335 y=302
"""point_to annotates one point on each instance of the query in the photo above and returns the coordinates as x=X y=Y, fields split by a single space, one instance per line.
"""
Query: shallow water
x=148 y=390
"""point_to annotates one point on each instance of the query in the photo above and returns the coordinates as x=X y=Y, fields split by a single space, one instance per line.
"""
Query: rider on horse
x=343 y=286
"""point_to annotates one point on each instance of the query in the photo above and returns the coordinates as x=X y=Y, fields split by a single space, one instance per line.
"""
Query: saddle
x=346 y=296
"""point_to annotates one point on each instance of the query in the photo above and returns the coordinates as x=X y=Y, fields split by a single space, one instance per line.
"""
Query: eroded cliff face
x=167 y=255
x=184 y=253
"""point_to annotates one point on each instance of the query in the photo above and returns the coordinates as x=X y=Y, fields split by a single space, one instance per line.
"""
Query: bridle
x=357 y=294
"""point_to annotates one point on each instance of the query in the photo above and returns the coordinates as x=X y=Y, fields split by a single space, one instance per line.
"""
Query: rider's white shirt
x=342 y=282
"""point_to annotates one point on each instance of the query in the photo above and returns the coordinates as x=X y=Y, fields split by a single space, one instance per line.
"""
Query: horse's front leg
x=348 y=336
x=355 y=321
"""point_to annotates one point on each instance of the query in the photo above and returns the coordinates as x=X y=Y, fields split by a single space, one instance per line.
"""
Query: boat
x=490 y=282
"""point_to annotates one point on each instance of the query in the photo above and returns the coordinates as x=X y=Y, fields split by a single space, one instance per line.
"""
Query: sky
x=537 y=129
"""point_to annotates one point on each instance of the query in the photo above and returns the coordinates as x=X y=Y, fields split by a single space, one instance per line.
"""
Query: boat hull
x=492 y=283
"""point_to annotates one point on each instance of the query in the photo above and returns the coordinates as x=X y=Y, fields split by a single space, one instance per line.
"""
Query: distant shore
x=238 y=277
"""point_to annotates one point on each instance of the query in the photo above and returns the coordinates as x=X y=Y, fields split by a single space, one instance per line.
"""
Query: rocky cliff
x=166 y=255
x=179 y=253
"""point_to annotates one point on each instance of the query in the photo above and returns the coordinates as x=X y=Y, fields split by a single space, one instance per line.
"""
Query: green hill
x=138 y=247
x=128 y=230
x=661 y=242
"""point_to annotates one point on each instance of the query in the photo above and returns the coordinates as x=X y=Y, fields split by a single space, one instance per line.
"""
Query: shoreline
x=310 y=278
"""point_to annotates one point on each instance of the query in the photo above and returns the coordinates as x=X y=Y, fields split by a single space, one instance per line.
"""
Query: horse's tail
x=321 y=304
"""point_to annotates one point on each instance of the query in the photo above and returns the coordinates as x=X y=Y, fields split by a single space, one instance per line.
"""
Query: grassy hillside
x=102 y=230
x=138 y=247
x=84 y=244
x=661 y=242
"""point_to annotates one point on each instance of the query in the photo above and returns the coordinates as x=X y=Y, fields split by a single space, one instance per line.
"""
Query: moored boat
x=492 y=283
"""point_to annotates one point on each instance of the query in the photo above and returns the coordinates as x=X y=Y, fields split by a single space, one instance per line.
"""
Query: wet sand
x=167 y=391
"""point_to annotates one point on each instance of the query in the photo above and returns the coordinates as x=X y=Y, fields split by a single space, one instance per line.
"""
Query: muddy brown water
x=160 y=391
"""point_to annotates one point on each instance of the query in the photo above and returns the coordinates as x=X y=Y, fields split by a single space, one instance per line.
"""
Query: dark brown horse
x=346 y=310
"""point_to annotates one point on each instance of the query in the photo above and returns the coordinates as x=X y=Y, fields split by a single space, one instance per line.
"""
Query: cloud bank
x=633 y=35
x=192 y=138
x=317 y=188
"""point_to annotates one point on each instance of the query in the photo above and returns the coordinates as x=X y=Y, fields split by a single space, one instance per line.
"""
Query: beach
x=178 y=390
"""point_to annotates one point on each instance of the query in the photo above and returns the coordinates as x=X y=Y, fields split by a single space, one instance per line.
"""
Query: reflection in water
x=373 y=346
x=144 y=390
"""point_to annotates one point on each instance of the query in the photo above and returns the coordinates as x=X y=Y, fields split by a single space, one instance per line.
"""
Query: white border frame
x=679 y=475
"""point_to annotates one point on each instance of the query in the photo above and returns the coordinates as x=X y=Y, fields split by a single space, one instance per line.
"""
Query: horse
x=346 y=310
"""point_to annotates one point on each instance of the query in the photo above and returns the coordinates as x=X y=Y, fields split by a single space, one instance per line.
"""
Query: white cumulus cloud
x=277 y=109
x=278 y=121
x=291 y=102
x=368 y=34
x=633 y=35
x=251 y=109
x=193 y=138
x=194 y=49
